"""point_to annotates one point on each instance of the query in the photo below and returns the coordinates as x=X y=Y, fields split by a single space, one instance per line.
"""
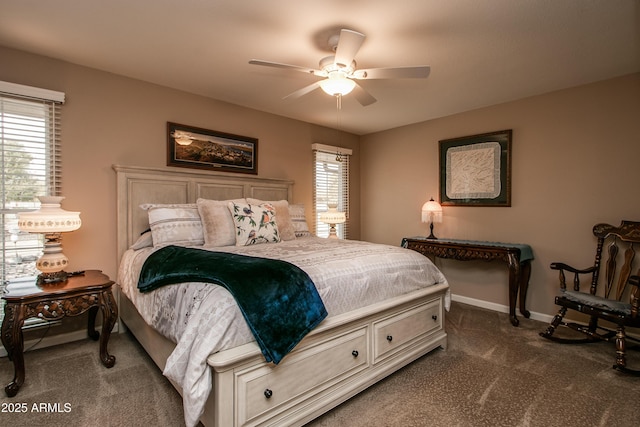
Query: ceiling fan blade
x=301 y=92
x=311 y=71
x=393 y=73
x=348 y=45
x=363 y=97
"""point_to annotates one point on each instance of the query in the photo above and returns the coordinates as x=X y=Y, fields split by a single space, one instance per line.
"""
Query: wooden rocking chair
x=607 y=303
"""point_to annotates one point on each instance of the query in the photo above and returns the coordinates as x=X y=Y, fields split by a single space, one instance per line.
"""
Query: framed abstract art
x=475 y=170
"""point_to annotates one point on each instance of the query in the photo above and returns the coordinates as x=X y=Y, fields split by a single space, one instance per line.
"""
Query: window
x=30 y=160
x=331 y=186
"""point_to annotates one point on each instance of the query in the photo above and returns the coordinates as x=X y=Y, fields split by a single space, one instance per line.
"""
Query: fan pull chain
x=338 y=108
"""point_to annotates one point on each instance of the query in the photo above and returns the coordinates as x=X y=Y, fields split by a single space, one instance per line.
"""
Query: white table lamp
x=50 y=220
x=333 y=217
x=431 y=212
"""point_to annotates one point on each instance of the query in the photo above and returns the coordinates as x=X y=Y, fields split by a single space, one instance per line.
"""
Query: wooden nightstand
x=89 y=291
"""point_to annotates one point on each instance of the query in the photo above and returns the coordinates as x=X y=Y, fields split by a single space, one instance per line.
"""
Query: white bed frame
x=344 y=355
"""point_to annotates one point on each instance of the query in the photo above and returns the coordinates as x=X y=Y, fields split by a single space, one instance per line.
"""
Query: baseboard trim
x=82 y=334
x=498 y=307
x=49 y=341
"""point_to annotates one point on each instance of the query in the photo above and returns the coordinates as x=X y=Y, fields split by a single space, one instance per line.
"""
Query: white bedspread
x=203 y=318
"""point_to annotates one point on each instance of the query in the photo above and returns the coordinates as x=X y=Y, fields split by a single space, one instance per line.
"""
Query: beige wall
x=109 y=119
x=575 y=162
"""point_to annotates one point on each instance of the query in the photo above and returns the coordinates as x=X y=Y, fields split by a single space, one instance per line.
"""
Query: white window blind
x=331 y=186
x=30 y=157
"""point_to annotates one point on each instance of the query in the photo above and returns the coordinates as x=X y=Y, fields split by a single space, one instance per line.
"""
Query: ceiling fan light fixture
x=340 y=70
x=337 y=84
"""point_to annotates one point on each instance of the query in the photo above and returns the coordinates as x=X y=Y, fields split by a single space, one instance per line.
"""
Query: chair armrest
x=562 y=267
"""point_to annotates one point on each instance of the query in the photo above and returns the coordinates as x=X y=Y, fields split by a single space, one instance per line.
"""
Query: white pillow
x=285 y=226
x=175 y=225
x=144 y=241
x=147 y=206
x=299 y=221
x=217 y=222
x=254 y=223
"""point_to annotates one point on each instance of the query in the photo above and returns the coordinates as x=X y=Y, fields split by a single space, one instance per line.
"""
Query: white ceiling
x=481 y=53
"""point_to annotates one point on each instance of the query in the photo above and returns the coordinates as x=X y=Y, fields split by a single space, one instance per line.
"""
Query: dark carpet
x=491 y=374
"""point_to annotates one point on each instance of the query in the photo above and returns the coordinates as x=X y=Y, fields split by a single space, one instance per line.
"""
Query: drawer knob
x=434 y=317
x=355 y=353
x=268 y=393
x=389 y=338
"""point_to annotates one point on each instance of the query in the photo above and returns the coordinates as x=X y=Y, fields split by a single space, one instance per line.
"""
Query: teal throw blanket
x=278 y=300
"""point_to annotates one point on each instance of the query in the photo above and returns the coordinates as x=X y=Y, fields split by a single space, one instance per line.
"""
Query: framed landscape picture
x=193 y=147
x=476 y=170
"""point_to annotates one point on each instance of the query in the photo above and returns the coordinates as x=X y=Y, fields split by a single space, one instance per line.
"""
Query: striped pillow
x=299 y=221
x=176 y=225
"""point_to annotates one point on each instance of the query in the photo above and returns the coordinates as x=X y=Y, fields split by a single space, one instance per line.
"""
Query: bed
x=358 y=344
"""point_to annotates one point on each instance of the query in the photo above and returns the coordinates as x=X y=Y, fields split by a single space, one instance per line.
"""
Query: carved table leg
x=525 y=275
x=109 y=316
x=91 y=326
x=13 y=342
x=514 y=284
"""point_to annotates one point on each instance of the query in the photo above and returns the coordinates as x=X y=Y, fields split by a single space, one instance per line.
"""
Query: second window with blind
x=331 y=186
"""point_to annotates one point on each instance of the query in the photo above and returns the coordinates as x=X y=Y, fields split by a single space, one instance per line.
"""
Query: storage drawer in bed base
x=322 y=372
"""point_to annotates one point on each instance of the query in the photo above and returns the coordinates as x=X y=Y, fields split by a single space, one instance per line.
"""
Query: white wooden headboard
x=139 y=185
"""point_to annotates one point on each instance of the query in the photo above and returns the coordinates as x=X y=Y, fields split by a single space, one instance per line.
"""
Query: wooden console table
x=517 y=256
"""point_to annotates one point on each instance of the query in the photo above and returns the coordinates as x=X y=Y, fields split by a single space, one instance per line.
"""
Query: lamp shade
x=50 y=218
x=332 y=216
x=337 y=84
x=431 y=211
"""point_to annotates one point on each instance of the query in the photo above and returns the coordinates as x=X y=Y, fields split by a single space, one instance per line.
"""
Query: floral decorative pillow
x=255 y=224
x=285 y=226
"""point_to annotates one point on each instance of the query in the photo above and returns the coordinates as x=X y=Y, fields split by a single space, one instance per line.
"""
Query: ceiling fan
x=339 y=71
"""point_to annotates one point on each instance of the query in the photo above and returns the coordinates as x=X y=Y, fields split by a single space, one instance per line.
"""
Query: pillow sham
x=254 y=224
x=299 y=221
x=175 y=225
x=217 y=222
x=285 y=226
x=144 y=241
x=147 y=206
